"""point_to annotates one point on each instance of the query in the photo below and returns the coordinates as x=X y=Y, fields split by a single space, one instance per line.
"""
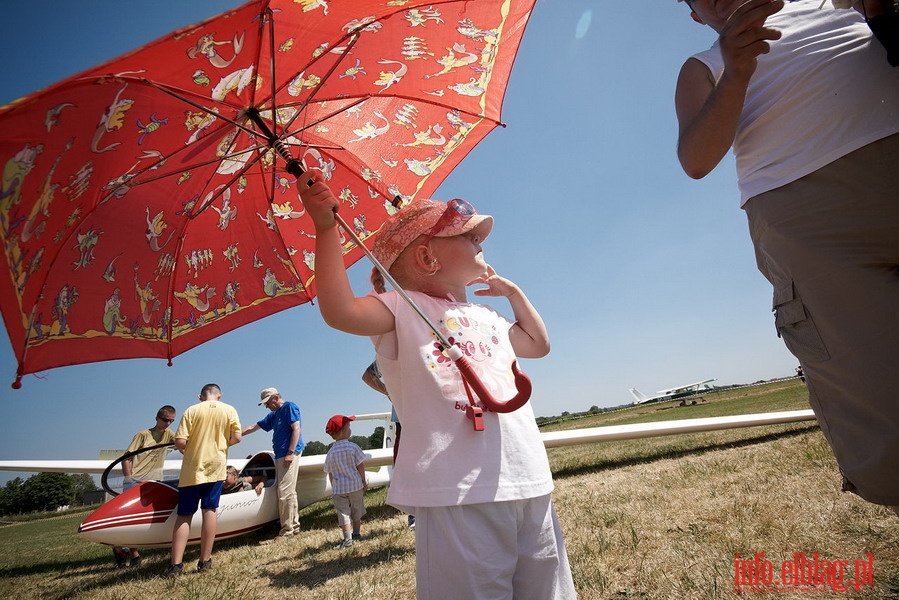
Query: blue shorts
x=206 y=495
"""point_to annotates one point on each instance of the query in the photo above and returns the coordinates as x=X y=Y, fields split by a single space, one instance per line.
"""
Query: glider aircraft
x=144 y=515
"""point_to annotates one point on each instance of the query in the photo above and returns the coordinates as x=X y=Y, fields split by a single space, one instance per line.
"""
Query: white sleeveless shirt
x=824 y=90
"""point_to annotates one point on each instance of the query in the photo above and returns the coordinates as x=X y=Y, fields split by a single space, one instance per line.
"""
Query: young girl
x=485 y=525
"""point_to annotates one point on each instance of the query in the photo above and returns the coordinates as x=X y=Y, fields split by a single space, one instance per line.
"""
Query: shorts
x=511 y=549
x=350 y=507
x=206 y=495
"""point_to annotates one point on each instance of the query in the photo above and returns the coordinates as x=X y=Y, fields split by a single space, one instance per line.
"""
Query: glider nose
x=129 y=515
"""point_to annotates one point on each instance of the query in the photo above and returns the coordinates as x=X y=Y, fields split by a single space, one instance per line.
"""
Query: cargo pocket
x=795 y=326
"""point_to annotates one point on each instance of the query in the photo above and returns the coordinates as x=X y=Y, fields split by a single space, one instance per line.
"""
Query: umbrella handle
x=522 y=384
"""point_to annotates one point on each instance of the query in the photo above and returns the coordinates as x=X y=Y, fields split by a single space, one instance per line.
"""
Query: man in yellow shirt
x=205 y=432
x=145 y=466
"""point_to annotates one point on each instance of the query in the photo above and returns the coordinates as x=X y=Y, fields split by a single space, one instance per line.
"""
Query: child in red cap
x=345 y=467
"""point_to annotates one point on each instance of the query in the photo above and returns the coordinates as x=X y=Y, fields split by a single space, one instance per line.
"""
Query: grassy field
x=653 y=519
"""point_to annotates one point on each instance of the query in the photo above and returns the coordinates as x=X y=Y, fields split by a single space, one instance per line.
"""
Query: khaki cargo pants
x=829 y=244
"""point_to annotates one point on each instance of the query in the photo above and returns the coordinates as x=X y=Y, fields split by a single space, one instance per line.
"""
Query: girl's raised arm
x=339 y=306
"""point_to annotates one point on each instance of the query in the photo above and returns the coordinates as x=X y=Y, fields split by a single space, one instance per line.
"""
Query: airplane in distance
x=144 y=515
x=671 y=393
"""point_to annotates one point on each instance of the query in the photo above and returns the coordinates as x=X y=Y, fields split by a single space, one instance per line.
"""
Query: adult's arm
x=708 y=111
x=294 y=438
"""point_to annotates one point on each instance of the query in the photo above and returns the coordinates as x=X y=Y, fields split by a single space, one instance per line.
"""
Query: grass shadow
x=54 y=567
x=317 y=572
x=321 y=515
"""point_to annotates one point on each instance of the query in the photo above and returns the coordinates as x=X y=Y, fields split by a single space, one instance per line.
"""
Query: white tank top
x=824 y=90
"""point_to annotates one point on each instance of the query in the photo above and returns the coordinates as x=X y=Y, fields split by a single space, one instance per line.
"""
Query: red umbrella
x=146 y=206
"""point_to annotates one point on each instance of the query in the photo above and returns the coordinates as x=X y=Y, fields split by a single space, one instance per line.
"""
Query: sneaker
x=357 y=537
x=411 y=521
x=175 y=571
x=204 y=565
x=121 y=556
x=344 y=544
x=136 y=561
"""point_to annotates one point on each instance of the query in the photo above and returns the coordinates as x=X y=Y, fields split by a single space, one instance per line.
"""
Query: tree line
x=375 y=440
x=44 y=491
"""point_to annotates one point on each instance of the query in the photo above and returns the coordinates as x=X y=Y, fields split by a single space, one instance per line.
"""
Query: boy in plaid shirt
x=346 y=472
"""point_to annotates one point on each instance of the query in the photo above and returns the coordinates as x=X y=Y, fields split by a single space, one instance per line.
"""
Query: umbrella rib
x=188 y=167
x=305 y=102
x=224 y=187
x=307 y=126
x=271 y=66
x=179 y=94
x=363 y=98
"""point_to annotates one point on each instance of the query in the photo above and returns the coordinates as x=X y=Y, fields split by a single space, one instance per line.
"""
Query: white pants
x=492 y=551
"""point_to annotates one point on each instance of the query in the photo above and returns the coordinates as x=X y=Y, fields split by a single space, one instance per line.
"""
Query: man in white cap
x=283 y=421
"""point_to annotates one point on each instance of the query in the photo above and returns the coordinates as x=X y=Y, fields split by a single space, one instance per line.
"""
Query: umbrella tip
x=17 y=384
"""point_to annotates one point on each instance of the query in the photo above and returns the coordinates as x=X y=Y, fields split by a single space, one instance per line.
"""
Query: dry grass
x=652 y=520
x=670 y=528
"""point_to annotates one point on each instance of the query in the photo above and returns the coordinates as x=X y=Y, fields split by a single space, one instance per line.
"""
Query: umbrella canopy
x=145 y=206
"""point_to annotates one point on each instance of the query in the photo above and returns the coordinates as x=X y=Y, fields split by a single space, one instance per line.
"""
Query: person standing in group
x=283 y=420
x=205 y=432
x=485 y=524
x=372 y=378
x=145 y=466
x=345 y=466
x=808 y=104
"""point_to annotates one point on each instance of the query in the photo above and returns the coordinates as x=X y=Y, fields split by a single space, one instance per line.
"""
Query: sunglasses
x=457 y=210
x=166 y=420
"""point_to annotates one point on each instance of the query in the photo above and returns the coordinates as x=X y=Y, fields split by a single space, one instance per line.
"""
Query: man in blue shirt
x=283 y=421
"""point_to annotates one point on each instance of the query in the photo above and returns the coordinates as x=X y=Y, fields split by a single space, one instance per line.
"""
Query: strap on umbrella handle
x=522 y=384
x=522 y=381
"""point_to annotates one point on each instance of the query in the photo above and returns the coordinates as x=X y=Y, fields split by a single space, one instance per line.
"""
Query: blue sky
x=644 y=277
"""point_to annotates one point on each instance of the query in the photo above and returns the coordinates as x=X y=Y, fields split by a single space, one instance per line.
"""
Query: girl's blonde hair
x=401 y=271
